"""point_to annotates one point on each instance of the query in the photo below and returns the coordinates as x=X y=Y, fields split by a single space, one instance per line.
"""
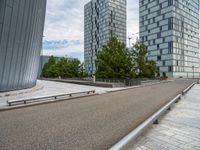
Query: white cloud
x=65 y=21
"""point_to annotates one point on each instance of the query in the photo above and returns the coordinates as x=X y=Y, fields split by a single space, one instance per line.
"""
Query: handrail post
x=9 y=102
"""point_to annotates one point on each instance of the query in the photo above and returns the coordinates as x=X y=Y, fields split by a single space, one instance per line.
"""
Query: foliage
x=64 y=68
x=82 y=71
x=143 y=67
x=114 y=61
x=50 y=69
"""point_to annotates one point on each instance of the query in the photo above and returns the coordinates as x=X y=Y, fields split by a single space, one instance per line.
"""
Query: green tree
x=114 y=61
x=49 y=68
x=53 y=71
x=82 y=71
x=63 y=67
x=143 y=67
x=151 y=69
x=74 y=67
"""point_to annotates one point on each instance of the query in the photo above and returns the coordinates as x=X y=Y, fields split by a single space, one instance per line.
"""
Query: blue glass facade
x=21 y=31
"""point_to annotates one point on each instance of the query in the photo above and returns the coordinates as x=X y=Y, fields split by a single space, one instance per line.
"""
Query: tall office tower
x=21 y=31
x=102 y=19
x=170 y=30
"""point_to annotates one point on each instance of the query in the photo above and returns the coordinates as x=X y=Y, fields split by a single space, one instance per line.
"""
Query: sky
x=64 y=27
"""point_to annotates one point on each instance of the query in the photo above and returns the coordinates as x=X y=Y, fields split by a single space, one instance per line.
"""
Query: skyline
x=64 y=27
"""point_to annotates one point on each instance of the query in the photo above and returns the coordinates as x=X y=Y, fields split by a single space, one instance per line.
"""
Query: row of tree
x=117 y=61
x=64 y=68
x=114 y=61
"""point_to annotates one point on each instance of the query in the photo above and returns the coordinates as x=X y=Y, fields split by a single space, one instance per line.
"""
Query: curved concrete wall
x=21 y=31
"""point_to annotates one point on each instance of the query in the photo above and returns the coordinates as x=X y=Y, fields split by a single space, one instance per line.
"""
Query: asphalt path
x=89 y=123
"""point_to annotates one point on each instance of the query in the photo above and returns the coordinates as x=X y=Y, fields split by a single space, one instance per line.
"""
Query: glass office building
x=102 y=20
x=170 y=30
x=21 y=31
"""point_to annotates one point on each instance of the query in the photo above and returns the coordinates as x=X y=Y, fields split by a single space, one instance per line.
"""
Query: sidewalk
x=50 y=88
x=177 y=130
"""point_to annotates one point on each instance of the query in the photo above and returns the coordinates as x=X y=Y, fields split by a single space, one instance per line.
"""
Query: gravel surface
x=89 y=123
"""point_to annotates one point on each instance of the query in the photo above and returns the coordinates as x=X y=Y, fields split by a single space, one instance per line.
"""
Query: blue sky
x=64 y=26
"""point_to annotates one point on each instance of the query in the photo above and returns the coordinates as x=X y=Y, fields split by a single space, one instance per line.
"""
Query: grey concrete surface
x=90 y=123
x=177 y=130
x=50 y=88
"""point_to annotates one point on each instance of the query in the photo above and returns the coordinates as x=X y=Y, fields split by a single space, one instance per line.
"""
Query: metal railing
x=24 y=101
x=122 y=144
x=126 y=82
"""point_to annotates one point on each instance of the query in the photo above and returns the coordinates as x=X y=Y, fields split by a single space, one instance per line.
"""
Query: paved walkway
x=178 y=130
x=89 y=123
x=50 y=88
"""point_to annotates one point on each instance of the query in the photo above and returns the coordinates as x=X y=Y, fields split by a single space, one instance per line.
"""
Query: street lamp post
x=129 y=38
x=136 y=34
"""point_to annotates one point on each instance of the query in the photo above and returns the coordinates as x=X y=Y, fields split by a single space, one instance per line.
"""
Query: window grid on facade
x=174 y=25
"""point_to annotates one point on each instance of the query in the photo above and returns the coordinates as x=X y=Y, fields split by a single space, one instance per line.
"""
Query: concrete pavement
x=90 y=123
x=177 y=130
x=50 y=88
